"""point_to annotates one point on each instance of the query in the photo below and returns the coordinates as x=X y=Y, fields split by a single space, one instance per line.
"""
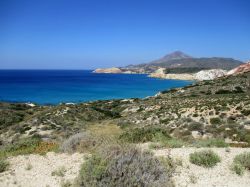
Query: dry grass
x=105 y=129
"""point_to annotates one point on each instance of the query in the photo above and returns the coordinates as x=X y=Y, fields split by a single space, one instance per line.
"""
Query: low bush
x=241 y=163
x=3 y=165
x=59 y=172
x=27 y=146
x=238 y=168
x=44 y=147
x=245 y=112
x=79 y=142
x=223 y=91
x=215 y=121
x=205 y=158
x=195 y=126
x=212 y=142
x=122 y=165
x=24 y=146
x=145 y=134
x=169 y=143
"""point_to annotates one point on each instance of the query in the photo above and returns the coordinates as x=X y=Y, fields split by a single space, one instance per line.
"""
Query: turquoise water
x=56 y=86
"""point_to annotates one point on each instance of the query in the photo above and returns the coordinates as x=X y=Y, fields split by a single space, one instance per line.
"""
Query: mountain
x=183 y=62
x=177 y=55
x=178 y=63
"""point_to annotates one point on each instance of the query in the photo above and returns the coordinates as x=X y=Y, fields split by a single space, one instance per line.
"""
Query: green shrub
x=245 y=112
x=195 y=115
x=238 y=89
x=168 y=143
x=28 y=146
x=238 y=169
x=205 y=158
x=212 y=142
x=195 y=126
x=145 y=134
x=174 y=143
x=3 y=165
x=241 y=163
x=125 y=166
x=215 y=121
x=24 y=146
x=59 y=172
x=223 y=91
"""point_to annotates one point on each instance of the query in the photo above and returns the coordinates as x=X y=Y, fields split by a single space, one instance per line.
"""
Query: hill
x=183 y=62
x=175 y=124
x=180 y=111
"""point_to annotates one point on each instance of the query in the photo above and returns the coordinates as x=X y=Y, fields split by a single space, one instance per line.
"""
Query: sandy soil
x=36 y=170
x=190 y=175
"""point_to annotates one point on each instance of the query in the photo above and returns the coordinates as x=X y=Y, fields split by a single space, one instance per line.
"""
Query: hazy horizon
x=63 y=34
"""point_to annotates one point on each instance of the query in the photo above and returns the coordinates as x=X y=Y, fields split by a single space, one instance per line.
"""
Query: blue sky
x=85 y=34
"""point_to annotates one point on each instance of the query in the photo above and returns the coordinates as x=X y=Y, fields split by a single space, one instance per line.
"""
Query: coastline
x=183 y=77
x=87 y=87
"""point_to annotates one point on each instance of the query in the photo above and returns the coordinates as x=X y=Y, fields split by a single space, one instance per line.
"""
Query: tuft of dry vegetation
x=205 y=158
x=80 y=142
x=241 y=163
x=123 y=165
x=4 y=164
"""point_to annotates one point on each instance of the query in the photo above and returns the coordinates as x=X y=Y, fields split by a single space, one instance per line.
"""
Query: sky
x=86 y=34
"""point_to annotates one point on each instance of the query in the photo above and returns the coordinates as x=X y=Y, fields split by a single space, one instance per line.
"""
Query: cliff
x=240 y=69
x=160 y=73
x=201 y=75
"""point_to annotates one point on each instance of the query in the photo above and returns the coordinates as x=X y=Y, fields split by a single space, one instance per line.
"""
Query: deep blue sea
x=57 y=86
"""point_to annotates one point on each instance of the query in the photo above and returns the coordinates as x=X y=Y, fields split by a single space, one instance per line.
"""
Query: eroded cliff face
x=160 y=73
x=240 y=69
x=201 y=75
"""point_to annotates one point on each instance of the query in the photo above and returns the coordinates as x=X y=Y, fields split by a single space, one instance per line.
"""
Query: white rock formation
x=160 y=73
x=209 y=74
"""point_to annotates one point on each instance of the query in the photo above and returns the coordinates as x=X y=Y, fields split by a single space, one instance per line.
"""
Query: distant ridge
x=181 y=60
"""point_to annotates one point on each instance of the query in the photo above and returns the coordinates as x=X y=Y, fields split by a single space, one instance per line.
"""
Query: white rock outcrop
x=209 y=74
x=160 y=73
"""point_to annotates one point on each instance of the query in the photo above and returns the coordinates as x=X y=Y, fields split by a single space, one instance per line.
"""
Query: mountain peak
x=176 y=55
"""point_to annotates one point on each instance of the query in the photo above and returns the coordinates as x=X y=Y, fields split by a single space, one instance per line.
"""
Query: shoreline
x=90 y=101
x=188 y=82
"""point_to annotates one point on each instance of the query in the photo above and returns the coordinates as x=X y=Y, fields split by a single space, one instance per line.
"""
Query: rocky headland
x=108 y=70
x=178 y=65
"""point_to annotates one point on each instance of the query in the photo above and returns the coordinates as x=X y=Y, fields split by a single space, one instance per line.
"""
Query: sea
x=74 y=86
